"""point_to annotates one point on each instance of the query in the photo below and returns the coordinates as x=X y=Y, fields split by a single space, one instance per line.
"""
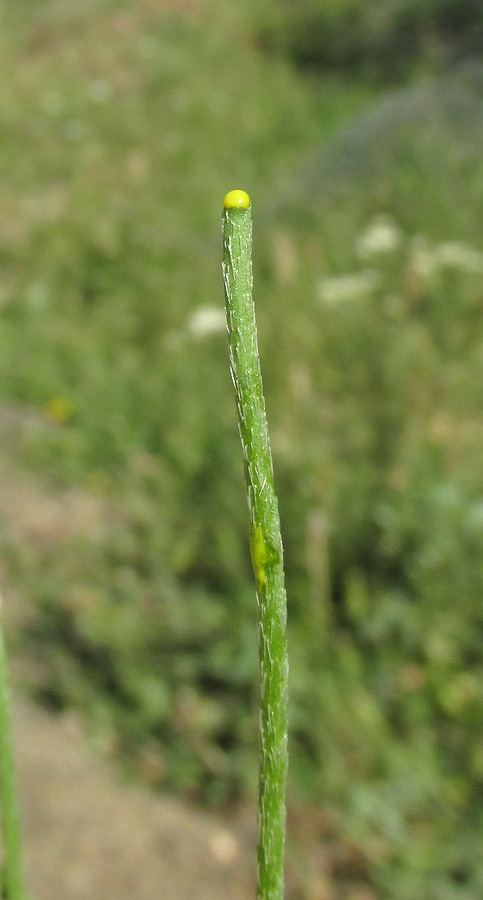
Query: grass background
x=123 y=126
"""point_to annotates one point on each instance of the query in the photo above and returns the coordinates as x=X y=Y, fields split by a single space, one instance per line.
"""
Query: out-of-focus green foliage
x=123 y=130
x=376 y=37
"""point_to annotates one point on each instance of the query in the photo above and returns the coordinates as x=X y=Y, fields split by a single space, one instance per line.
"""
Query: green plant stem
x=266 y=548
x=11 y=836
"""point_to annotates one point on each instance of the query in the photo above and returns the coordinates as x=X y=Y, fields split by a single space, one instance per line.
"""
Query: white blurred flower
x=457 y=255
x=206 y=320
x=382 y=236
x=428 y=260
x=338 y=288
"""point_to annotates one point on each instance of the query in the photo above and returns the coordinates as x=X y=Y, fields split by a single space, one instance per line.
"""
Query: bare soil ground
x=88 y=835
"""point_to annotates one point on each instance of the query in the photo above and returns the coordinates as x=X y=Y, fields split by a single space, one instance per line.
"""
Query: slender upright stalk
x=11 y=836
x=265 y=541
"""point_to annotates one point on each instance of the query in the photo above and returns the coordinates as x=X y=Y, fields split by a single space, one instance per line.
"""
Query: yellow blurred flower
x=59 y=410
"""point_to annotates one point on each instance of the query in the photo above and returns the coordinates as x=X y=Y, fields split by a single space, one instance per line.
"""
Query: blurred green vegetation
x=380 y=39
x=123 y=126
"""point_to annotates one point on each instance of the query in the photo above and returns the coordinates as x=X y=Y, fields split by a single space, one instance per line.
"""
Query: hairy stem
x=265 y=540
